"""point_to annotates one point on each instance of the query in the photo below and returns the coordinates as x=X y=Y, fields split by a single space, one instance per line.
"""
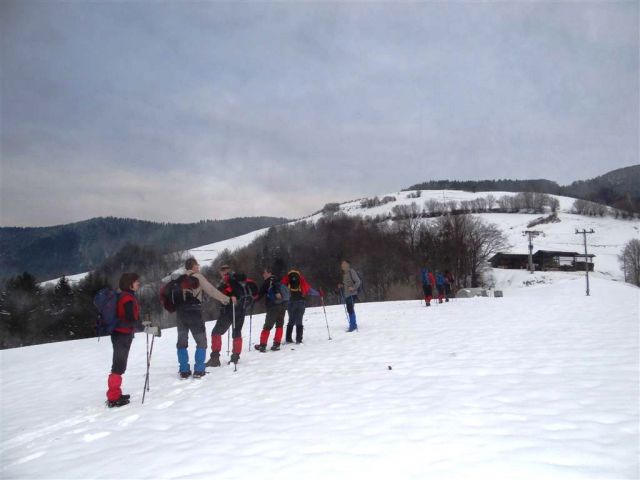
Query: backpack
x=360 y=290
x=295 y=285
x=249 y=288
x=178 y=291
x=106 y=301
x=283 y=291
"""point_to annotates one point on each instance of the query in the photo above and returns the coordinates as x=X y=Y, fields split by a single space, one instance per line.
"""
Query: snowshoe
x=275 y=347
x=262 y=347
x=199 y=374
x=186 y=374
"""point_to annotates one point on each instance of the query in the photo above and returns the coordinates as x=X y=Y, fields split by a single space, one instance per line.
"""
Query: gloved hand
x=152 y=330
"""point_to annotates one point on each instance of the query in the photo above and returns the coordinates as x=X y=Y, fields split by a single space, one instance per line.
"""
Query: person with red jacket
x=128 y=313
x=299 y=289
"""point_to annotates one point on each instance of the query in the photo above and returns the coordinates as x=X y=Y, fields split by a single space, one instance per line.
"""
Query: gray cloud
x=278 y=108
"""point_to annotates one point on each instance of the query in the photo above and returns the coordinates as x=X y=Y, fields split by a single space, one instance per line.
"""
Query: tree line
x=389 y=255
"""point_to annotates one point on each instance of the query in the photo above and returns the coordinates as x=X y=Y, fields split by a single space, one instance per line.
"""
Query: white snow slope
x=607 y=243
x=540 y=384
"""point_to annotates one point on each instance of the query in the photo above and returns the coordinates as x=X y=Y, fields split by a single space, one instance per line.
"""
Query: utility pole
x=531 y=234
x=586 y=258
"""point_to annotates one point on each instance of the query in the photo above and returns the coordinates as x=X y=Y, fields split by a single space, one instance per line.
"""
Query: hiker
x=350 y=284
x=189 y=318
x=448 y=284
x=276 y=300
x=231 y=315
x=440 y=281
x=128 y=313
x=428 y=281
x=299 y=289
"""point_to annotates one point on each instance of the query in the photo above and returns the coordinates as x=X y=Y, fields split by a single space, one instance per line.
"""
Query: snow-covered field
x=540 y=384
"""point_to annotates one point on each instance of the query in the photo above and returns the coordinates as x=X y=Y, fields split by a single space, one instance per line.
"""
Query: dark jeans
x=226 y=320
x=296 y=312
x=275 y=316
x=349 y=302
x=190 y=320
x=121 y=345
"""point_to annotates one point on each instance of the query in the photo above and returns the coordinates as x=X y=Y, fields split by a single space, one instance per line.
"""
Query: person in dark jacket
x=189 y=318
x=299 y=289
x=449 y=280
x=276 y=300
x=231 y=315
x=128 y=313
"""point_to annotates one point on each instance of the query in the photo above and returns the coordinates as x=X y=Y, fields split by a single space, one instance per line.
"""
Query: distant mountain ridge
x=49 y=252
x=619 y=188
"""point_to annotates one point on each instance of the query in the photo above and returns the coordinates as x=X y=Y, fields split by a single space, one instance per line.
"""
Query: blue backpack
x=106 y=301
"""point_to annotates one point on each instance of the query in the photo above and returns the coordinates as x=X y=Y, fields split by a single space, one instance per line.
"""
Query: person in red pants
x=128 y=313
x=277 y=296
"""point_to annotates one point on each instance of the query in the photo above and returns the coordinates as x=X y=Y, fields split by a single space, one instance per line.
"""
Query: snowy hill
x=540 y=384
x=607 y=243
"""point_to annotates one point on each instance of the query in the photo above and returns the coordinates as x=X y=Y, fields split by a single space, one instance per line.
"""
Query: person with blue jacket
x=440 y=282
x=428 y=282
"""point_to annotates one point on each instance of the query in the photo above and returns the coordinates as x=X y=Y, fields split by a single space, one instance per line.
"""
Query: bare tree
x=491 y=201
x=630 y=261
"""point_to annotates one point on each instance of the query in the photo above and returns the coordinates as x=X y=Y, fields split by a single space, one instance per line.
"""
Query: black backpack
x=178 y=291
x=294 y=281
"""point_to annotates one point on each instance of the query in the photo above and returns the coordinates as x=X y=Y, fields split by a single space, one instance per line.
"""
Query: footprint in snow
x=28 y=458
x=96 y=436
x=129 y=420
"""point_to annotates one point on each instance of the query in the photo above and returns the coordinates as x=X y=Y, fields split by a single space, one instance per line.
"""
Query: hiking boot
x=214 y=361
x=119 y=402
x=262 y=347
x=125 y=396
x=235 y=358
x=275 y=347
x=186 y=374
x=351 y=329
x=289 y=334
x=199 y=374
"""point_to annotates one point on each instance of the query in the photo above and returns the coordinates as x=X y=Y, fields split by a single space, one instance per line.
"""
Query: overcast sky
x=182 y=111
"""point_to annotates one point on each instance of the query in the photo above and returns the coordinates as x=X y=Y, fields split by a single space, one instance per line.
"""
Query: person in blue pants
x=189 y=318
x=350 y=284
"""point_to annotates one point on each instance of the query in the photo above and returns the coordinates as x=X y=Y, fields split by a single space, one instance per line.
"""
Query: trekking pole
x=325 y=312
x=229 y=334
x=250 y=324
x=344 y=303
x=235 y=365
x=146 y=383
